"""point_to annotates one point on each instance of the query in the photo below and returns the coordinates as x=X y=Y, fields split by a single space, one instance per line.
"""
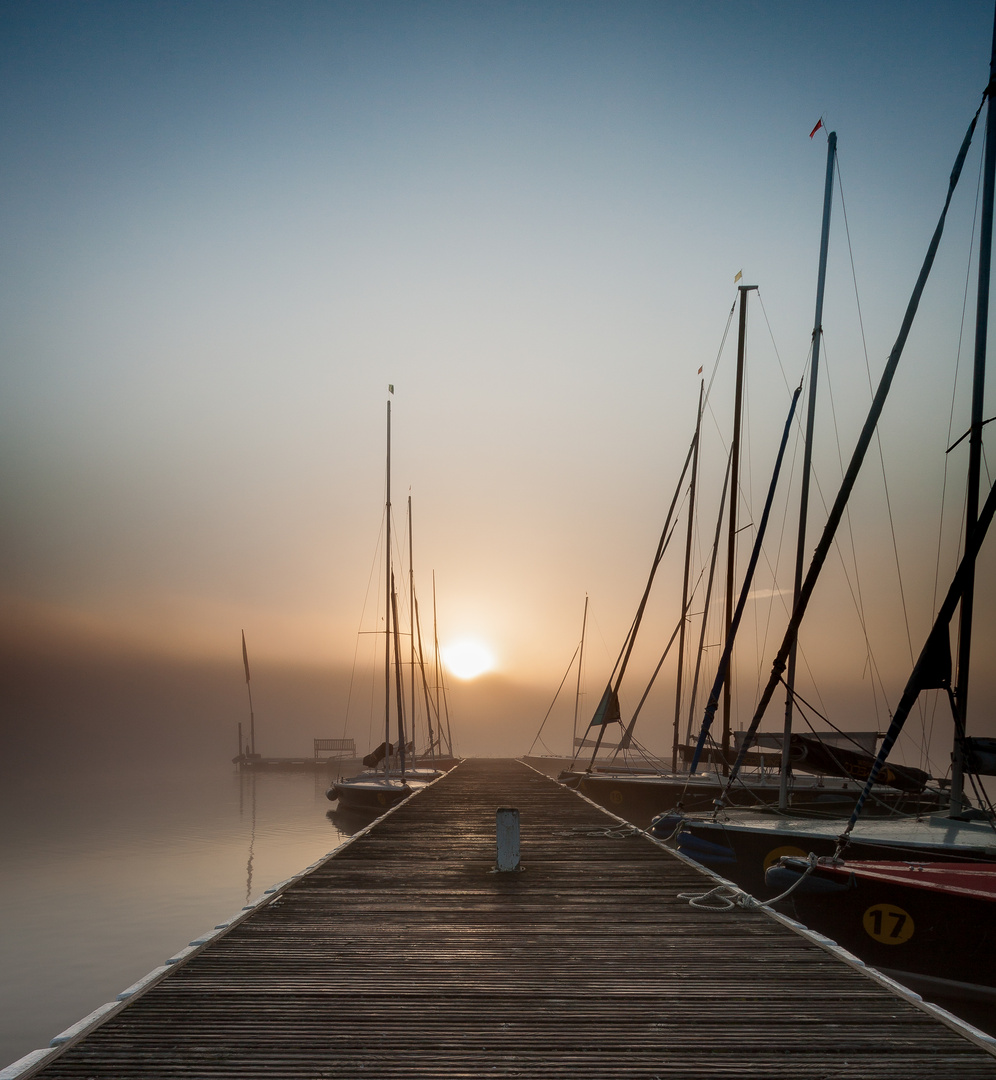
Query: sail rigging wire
x=724 y=662
x=719 y=353
x=984 y=800
x=774 y=345
x=801 y=654
x=607 y=710
x=712 y=377
x=878 y=436
x=867 y=432
x=425 y=685
x=774 y=593
x=937 y=643
x=402 y=541
x=744 y=483
x=440 y=681
x=628 y=733
x=745 y=490
x=807 y=707
x=927 y=730
x=708 y=596
x=554 y=702
x=748 y=791
x=777 y=593
x=856 y=590
x=854 y=587
x=374 y=567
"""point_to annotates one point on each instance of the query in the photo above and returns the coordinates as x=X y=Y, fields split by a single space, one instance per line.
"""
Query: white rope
x=614 y=832
x=682 y=822
x=726 y=897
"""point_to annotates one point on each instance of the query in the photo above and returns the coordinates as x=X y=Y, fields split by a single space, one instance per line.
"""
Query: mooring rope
x=727 y=897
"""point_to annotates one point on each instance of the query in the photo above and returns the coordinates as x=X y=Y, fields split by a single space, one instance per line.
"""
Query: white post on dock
x=507 y=830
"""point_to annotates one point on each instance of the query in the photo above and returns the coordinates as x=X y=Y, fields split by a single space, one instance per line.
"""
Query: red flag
x=819 y=124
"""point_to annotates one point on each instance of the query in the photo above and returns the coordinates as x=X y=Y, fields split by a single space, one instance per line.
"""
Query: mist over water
x=126 y=831
x=109 y=870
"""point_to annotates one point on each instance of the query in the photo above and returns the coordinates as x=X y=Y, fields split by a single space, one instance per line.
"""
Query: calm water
x=106 y=874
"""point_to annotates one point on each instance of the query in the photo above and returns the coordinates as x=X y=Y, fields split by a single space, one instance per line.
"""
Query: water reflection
x=107 y=873
x=249 y=780
x=350 y=821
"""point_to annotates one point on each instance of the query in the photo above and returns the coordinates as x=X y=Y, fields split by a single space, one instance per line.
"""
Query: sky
x=226 y=228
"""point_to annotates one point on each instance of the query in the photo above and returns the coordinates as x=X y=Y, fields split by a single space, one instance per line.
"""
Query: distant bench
x=344 y=748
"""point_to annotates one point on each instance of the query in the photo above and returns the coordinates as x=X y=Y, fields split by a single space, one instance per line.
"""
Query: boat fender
x=704 y=851
x=666 y=826
x=794 y=877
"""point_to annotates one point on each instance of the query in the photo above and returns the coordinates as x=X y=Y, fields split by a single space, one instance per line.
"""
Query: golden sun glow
x=467 y=658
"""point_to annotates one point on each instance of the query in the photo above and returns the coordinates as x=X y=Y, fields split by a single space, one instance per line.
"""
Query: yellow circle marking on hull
x=888 y=924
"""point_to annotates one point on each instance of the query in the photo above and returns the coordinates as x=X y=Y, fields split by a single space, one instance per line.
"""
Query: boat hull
x=641 y=798
x=911 y=920
x=742 y=847
x=361 y=793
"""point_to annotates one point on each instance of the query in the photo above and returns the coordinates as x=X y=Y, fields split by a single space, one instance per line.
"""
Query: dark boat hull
x=641 y=799
x=919 y=933
x=743 y=854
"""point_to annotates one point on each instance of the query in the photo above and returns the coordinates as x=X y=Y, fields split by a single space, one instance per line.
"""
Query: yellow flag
x=740 y=274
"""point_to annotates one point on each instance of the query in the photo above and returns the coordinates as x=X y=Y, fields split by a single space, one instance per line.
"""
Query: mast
x=440 y=685
x=864 y=439
x=397 y=677
x=607 y=710
x=684 y=581
x=731 y=550
x=252 y=718
x=425 y=688
x=387 y=614
x=411 y=613
x=723 y=669
x=708 y=603
x=577 y=692
x=807 y=460
x=975 y=439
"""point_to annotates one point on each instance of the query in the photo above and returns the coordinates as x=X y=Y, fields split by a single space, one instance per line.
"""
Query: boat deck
x=404 y=955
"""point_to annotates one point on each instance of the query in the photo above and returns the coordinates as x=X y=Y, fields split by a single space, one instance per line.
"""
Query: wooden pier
x=405 y=955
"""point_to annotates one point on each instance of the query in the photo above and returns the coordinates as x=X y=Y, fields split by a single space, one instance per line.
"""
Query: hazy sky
x=226 y=227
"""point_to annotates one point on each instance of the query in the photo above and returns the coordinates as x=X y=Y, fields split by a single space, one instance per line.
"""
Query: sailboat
x=247 y=756
x=775 y=776
x=389 y=781
x=744 y=846
x=450 y=758
x=438 y=751
x=557 y=765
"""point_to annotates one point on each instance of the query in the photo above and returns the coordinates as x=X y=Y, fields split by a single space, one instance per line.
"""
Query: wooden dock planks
x=403 y=955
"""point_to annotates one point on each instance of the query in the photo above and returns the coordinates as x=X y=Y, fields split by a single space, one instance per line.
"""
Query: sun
x=468 y=658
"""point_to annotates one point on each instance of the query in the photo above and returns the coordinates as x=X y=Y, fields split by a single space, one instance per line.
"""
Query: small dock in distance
x=404 y=955
x=330 y=755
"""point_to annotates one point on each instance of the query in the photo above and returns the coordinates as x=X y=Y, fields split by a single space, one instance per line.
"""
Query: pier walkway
x=404 y=955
